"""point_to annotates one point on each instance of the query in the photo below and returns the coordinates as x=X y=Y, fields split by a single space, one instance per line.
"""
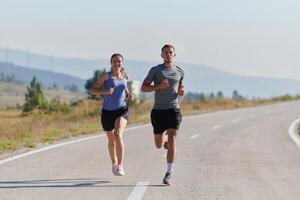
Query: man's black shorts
x=108 y=117
x=163 y=119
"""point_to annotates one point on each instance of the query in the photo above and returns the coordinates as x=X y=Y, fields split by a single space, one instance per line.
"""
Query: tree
x=220 y=95
x=34 y=98
x=236 y=96
x=90 y=82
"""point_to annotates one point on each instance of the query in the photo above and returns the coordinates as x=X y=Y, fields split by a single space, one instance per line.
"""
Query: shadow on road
x=64 y=183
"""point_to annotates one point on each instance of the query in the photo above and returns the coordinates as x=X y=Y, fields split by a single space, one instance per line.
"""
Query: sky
x=253 y=37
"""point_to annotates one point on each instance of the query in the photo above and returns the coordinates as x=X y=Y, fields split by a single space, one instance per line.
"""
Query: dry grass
x=191 y=108
x=19 y=131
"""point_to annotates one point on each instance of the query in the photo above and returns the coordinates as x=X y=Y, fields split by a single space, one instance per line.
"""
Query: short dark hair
x=167 y=46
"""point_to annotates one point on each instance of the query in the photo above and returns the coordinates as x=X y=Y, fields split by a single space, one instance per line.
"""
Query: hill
x=47 y=78
x=198 y=78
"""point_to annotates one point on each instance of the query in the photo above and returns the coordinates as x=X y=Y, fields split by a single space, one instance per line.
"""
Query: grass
x=298 y=129
x=18 y=130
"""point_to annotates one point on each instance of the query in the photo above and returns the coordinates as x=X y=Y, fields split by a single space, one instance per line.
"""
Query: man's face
x=168 y=54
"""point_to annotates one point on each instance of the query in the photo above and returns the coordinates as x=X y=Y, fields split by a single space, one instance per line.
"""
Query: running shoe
x=115 y=169
x=120 y=171
x=167 y=178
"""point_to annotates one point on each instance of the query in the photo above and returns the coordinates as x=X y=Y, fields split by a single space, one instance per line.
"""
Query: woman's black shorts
x=108 y=117
x=163 y=119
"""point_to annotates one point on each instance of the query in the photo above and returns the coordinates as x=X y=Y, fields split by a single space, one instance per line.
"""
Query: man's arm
x=147 y=87
x=181 y=88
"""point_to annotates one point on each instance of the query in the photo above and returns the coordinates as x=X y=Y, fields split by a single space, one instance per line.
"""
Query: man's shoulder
x=179 y=68
x=156 y=68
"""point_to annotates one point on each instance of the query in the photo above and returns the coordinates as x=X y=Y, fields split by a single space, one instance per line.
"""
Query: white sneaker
x=120 y=171
x=115 y=169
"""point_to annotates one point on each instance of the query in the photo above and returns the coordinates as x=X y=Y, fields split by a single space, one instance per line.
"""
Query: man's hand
x=180 y=90
x=163 y=85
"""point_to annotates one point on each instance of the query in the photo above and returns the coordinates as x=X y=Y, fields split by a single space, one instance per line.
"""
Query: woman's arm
x=95 y=88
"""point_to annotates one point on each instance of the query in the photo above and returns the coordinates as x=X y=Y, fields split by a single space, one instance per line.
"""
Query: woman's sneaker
x=120 y=171
x=115 y=169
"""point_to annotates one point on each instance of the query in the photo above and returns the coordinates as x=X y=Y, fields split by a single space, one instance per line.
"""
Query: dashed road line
x=193 y=137
x=139 y=191
x=216 y=127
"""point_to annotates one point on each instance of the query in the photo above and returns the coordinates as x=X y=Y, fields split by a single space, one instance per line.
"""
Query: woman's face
x=117 y=63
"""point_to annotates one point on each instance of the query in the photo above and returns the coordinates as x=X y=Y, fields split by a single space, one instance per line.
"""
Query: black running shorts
x=164 y=119
x=108 y=117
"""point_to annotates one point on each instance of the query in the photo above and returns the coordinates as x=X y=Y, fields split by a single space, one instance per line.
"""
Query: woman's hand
x=130 y=97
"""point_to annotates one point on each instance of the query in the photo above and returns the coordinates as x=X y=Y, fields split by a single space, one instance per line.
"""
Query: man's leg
x=159 y=140
x=171 y=145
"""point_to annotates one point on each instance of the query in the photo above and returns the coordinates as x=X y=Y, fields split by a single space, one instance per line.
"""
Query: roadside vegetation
x=20 y=129
x=42 y=121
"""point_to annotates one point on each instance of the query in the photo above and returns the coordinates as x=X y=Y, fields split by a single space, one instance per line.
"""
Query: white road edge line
x=139 y=191
x=293 y=133
x=9 y=159
x=194 y=137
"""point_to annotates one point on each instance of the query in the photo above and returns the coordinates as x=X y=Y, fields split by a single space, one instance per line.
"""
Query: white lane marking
x=9 y=159
x=252 y=116
x=193 y=137
x=293 y=131
x=236 y=120
x=139 y=190
x=216 y=127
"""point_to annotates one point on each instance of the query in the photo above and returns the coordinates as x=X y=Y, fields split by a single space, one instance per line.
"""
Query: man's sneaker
x=166 y=145
x=120 y=171
x=115 y=169
x=167 y=178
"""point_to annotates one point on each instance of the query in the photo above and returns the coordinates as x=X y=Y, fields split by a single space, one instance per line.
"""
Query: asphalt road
x=237 y=154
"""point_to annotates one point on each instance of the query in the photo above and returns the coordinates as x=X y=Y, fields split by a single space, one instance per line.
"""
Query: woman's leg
x=112 y=147
x=120 y=125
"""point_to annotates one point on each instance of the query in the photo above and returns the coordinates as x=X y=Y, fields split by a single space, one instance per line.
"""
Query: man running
x=166 y=115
